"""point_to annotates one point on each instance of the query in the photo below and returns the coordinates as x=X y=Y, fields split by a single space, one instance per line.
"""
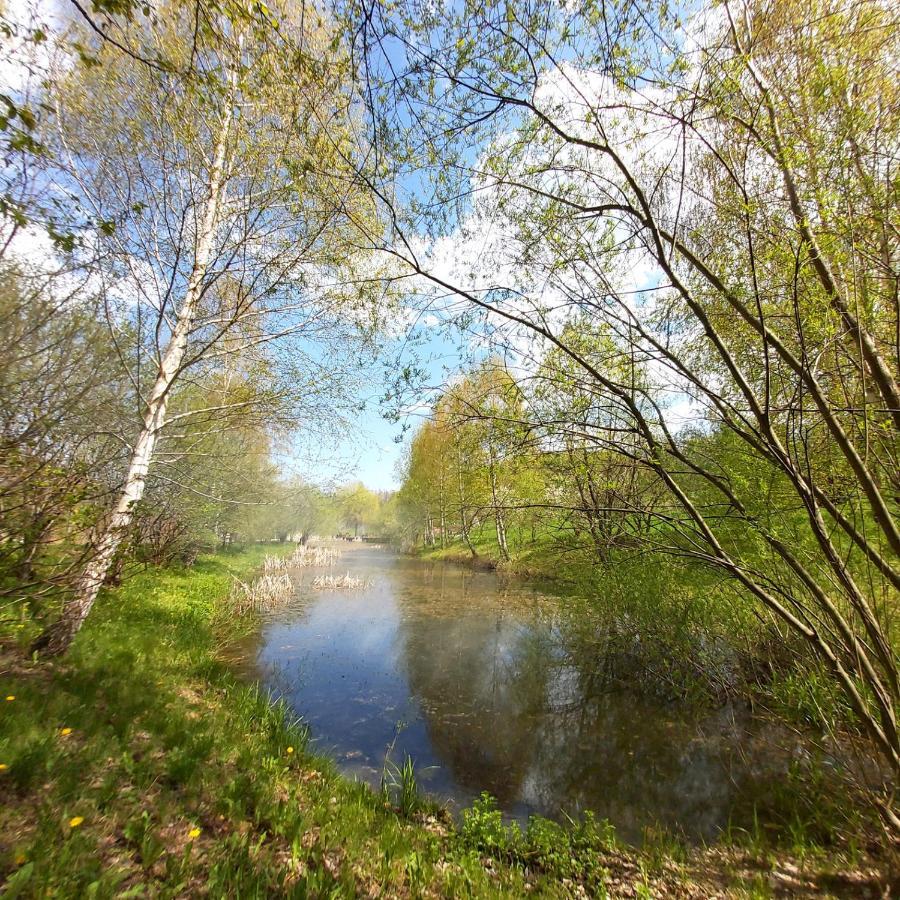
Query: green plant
x=141 y=833
x=483 y=828
x=661 y=847
x=400 y=787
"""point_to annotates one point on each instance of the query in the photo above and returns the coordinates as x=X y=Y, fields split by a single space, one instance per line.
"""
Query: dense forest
x=625 y=274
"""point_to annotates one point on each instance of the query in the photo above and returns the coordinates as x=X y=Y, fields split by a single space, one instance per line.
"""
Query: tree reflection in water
x=503 y=688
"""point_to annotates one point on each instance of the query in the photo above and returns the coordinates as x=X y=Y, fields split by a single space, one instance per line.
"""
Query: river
x=491 y=684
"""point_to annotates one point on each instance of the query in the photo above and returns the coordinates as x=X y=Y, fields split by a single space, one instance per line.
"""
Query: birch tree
x=214 y=213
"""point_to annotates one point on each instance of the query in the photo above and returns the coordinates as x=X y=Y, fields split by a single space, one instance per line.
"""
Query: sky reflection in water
x=489 y=685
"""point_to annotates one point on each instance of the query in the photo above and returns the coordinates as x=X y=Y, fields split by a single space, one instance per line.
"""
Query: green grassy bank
x=139 y=766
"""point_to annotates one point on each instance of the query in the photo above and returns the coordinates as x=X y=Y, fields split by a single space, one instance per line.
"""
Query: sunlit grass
x=139 y=765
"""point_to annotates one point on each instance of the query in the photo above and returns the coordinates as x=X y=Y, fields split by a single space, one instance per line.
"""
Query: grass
x=139 y=766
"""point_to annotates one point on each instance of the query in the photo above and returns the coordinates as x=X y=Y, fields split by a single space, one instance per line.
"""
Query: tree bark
x=464 y=525
x=443 y=524
x=498 y=512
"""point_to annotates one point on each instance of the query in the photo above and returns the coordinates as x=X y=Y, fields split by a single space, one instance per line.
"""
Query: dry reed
x=263 y=595
x=341 y=581
x=301 y=558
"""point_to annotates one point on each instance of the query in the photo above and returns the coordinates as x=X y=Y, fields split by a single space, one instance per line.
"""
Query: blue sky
x=371 y=448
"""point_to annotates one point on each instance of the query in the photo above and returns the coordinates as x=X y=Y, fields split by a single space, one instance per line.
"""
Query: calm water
x=491 y=685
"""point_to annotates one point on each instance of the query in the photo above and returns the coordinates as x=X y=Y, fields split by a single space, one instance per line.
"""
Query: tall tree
x=215 y=206
x=358 y=505
x=719 y=193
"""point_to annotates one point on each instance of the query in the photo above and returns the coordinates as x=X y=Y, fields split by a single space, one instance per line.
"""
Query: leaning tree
x=718 y=194
x=214 y=211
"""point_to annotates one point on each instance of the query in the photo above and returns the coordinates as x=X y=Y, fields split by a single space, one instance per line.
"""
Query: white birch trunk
x=498 y=512
x=59 y=636
x=443 y=523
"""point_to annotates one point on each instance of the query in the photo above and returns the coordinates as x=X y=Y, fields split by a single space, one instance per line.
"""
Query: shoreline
x=145 y=736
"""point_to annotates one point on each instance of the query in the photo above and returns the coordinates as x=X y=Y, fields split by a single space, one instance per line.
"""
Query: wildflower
x=75 y=821
x=20 y=859
x=194 y=833
x=290 y=750
x=10 y=698
x=3 y=767
x=65 y=731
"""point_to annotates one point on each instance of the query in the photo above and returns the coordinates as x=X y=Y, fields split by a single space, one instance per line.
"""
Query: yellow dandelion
x=194 y=833
x=10 y=698
x=65 y=731
x=75 y=821
x=3 y=767
x=290 y=750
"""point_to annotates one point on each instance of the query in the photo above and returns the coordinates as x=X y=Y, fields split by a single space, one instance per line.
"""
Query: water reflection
x=492 y=685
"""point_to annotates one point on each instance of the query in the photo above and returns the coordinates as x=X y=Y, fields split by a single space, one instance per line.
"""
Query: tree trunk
x=501 y=533
x=498 y=513
x=462 y=509
x=57 y=638
x=443 y=524
x=465 y=533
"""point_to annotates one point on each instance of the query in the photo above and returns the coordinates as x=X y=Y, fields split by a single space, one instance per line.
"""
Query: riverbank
x=708 y=638
x=702 y=643
x=537 y=555
x=140 y=766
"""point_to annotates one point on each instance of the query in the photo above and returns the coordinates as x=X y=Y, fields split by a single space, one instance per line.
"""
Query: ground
x=140 y=766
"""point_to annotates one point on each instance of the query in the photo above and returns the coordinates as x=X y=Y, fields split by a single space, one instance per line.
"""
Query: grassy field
x=138 y=766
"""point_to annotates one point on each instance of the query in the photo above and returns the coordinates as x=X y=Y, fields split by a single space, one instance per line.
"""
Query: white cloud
x=488 y=256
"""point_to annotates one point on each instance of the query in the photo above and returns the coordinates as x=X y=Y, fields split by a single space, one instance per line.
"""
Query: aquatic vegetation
x=303 y=557
x=349 y=581
x=400 y=787
x=262 y=595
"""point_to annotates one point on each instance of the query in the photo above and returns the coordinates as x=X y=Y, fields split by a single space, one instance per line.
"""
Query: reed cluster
x=265 y=594
x=301 y=558
x=341 y=581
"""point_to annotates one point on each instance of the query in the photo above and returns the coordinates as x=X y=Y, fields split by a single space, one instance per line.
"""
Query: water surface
x=491 y=684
